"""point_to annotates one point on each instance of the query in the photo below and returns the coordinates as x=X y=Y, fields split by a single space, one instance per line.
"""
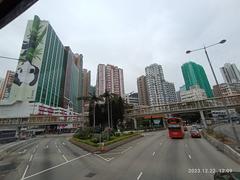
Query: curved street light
x=215 y=78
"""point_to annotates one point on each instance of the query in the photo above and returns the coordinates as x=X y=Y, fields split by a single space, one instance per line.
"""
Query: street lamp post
x=215 y=78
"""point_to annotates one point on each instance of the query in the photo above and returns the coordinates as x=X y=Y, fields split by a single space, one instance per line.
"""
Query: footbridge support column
x=134 y=123
x=203 y=119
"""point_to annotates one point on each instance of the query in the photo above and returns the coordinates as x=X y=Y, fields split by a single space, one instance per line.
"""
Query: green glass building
x=51 y=72
x=194 y=74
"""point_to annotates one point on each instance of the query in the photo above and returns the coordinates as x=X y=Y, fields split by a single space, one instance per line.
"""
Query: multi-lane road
x=154 y=156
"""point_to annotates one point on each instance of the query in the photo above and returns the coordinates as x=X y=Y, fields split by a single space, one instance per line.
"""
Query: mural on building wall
x=26 y=77
x=27 y=73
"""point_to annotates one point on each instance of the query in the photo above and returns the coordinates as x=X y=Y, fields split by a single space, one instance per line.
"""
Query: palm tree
x=92 y=98
x=108 y=96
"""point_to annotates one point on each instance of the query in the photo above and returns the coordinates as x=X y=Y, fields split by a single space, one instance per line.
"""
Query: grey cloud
x=133 y=34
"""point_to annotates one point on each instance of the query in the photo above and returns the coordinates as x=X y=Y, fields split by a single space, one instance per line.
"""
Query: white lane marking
x=153 y=153
x=35 y=149
x=22 y=152
x=59 y=150
x=139 y=176
x=190 y=157
x=23 y=176
x=105 y=159
x=235 y=152
x=31 y=158
x=63 y=143
x=126 y=150
x=109 y=159
x=115 y=153
x=54 y=167
x=64 y=157
x=46 y=147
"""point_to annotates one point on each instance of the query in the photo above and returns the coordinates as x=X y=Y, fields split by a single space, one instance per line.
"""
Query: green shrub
x=117 y=134
x=95 y=140
x=83 y=133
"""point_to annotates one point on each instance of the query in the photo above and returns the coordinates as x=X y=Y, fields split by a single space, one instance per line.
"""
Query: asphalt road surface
x=153 y=157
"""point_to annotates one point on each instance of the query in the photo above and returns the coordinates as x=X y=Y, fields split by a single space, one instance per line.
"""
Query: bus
x=175 y=128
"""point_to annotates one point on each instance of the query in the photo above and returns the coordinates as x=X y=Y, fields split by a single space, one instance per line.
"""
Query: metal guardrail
x=193 y=106
x=42 y=120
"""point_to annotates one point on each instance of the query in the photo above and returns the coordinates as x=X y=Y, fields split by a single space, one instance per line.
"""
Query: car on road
x=195 y=133
x=185 y=128
x=199 y=126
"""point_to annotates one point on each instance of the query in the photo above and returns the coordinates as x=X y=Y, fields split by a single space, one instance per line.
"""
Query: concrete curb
x=117 y=144
x=84 y=146
x=230 y=152
x=107 y=148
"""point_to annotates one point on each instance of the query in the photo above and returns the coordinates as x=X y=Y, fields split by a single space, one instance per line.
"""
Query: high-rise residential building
x=194 y=74
x=48 y=77
x=6 y=85
x=109 y=78
x=170 y=92
x=86 y=82
x=178 y=96
x=159 y=90
x=230 y=73
x=226 y=89
x=101 y=80
x=142 y=90
x=195 y=93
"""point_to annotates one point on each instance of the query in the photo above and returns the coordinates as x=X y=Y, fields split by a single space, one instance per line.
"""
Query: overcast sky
x=133 y=34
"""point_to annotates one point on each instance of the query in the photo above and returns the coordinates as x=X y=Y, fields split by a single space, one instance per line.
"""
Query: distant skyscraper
x=159 y=90
x=101 y=80
x=194 y=74
x=6 y=85
x=86 y=82
x=170 y=92
x=72 y=83
x=230 y=73
x=109 y=78
x=142 y=90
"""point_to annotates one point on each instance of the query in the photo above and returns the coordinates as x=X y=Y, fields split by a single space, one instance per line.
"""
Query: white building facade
x=194 y=94
x=159 y=90
x=230 y=73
